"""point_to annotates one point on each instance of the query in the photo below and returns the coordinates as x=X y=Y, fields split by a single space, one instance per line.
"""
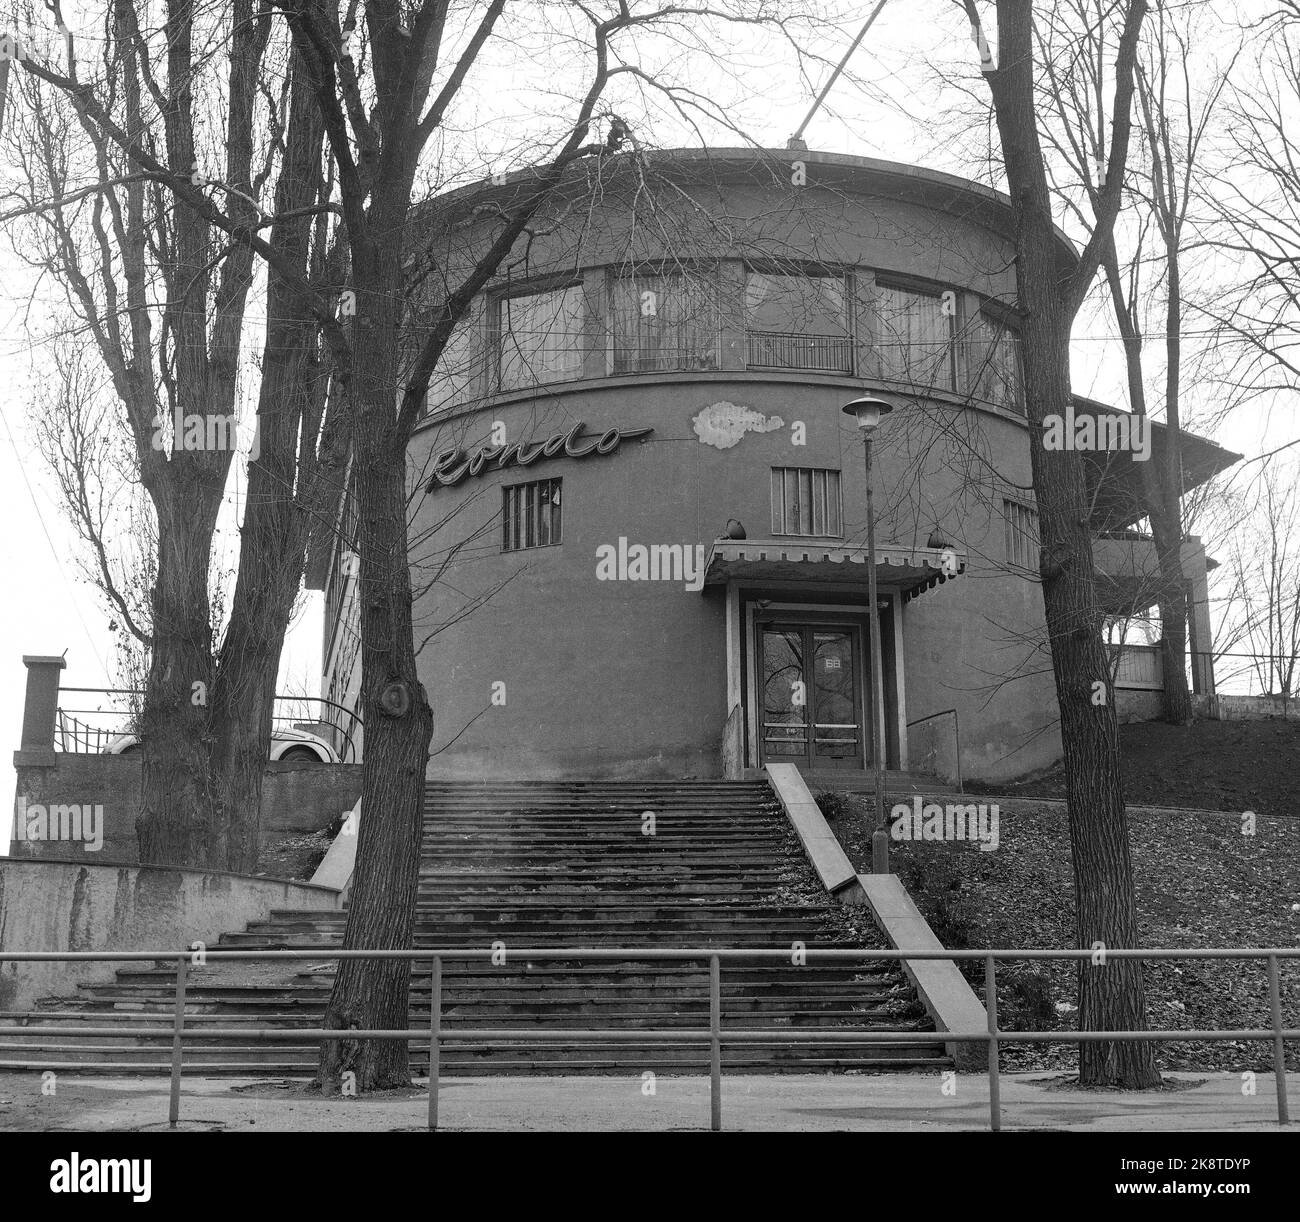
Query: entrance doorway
x=812 y=678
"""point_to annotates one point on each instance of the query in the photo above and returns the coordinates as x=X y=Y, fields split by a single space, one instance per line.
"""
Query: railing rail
x=956 y=734
x=714 y=1036
x=73 y=735
x=797 y=350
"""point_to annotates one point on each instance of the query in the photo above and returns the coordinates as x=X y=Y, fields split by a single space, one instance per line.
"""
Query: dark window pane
x=530 y=515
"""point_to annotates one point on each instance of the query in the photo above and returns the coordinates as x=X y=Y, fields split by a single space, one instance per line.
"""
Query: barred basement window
x=1021 y=526
x=530 y=515
x=805 y=501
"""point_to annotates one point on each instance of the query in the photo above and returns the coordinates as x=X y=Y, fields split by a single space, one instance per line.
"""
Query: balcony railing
x=89 y=731
x=794 y=350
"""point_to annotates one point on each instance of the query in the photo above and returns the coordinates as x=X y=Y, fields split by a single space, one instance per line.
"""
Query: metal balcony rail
x=795 y=350
x=328 y=719
x=714 y=1035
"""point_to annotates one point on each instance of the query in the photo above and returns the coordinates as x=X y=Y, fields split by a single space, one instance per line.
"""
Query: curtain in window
x=458 y=376
x=804 y=305
x=915 y=338
x=665 y=322
x=798 y=322
x=995 y=364
x=541 y=338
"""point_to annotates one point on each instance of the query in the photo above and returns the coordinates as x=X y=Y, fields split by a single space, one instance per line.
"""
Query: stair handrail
x=956 y=733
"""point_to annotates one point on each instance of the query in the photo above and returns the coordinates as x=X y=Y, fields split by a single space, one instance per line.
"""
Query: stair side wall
x=62 y=906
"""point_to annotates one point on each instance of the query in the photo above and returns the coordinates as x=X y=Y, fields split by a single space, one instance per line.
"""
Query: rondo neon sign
x=452 y=466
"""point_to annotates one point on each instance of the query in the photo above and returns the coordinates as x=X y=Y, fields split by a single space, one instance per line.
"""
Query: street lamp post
x=867 y=411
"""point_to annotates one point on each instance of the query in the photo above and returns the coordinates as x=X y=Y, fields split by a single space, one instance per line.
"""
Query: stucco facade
x=675 y=378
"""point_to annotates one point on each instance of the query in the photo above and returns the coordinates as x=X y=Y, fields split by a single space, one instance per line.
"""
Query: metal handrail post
x=178 y=1038
x=1279 y=1055
x=991 y=1006
x=715 y=1044
x=435 y=1047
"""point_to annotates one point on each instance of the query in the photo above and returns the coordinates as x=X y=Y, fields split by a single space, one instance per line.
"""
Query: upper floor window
x=798 y=322
x=541 y=337
x=530 y=515
x=1020 y=525
x=458 y=375
x=993 y=352
x=805 y=501
x=914 y=338
x=667 y=321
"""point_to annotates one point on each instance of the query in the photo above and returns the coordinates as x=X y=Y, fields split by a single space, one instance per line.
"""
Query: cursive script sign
x=452 y=466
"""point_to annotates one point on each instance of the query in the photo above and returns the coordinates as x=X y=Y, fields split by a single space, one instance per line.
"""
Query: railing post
x=991 y=1005
x=956 y=738
x=1279 y=1056
x=715 y=1044
x=435 y=1049
x=178 y=1023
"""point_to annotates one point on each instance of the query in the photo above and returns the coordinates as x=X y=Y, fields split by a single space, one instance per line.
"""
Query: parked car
x=287 y=743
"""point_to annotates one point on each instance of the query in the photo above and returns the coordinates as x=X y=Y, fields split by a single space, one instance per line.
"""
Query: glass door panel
x=785 y=694
x=837 y=728
x=811 y=691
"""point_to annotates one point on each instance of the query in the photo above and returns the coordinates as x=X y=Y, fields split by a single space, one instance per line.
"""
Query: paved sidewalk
x=893 y=1103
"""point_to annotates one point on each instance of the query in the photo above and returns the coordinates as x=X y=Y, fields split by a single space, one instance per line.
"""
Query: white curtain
x=541 y=338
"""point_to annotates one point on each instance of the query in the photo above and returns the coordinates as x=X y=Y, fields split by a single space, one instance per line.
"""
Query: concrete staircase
x=538 y=865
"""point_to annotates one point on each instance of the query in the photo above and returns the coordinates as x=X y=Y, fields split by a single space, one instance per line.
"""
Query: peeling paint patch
x=722 y=425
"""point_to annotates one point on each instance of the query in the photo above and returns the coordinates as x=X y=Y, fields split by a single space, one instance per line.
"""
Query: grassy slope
x=1212 y=765
x=1200 y=883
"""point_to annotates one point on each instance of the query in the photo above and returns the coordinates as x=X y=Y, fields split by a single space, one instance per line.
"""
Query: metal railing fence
x=73 y=735
x=714 y=1035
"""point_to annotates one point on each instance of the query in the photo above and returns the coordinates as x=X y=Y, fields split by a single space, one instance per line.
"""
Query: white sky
x=49 y=609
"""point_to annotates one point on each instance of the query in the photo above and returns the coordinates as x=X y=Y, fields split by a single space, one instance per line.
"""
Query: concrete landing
x=898 y=1102
x=850 y=780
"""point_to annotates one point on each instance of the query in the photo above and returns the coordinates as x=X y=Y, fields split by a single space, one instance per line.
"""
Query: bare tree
x=1111 y=993
x=1262 y=602
x=159 y=291
x=1176 y=116
x=1252 y=223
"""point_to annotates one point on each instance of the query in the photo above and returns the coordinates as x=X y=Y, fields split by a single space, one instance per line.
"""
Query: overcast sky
x=48 y=609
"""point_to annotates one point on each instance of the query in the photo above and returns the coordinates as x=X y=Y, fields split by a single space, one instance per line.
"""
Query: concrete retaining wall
x=61 y=906
x=1251 y=708
x=1135 y=704
x=297 y=797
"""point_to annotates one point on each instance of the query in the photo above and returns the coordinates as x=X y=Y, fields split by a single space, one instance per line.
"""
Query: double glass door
x=811 y=680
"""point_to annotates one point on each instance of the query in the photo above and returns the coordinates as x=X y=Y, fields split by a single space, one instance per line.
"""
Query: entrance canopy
x=911 y=570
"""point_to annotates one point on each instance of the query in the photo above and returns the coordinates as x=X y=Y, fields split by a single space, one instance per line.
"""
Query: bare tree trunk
x=173 y=727
x=1111 y=993
x=381 y=914
x=1166 y=532
x=281 y=474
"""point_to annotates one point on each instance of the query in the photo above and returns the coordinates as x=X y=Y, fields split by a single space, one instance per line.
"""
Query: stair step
x=537 y=864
